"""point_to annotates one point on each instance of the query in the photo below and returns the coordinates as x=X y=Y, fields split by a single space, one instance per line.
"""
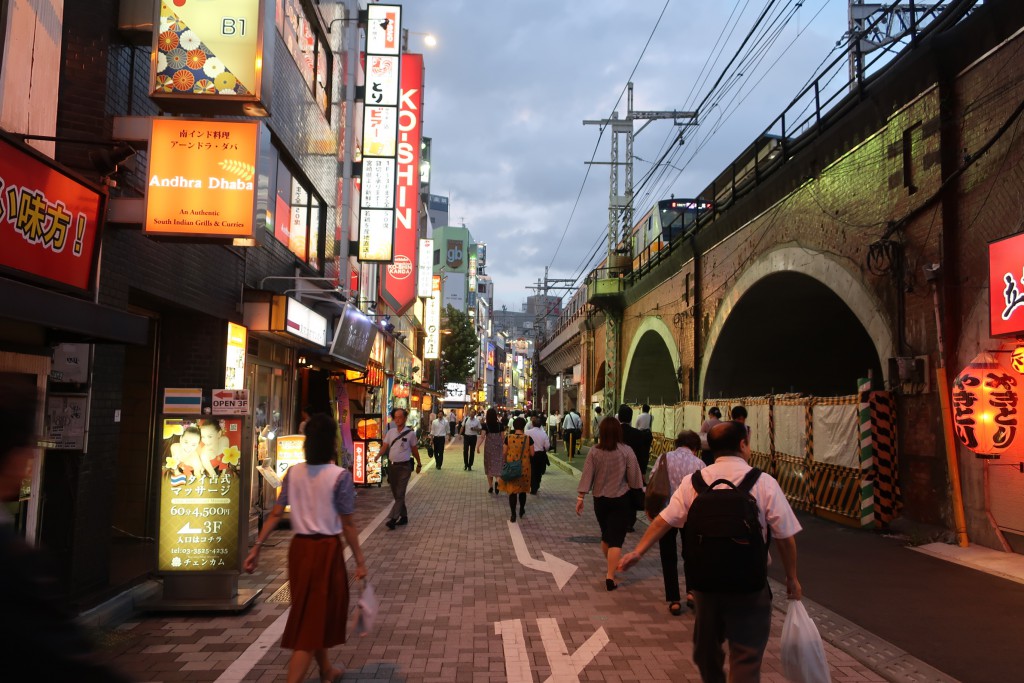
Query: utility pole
x=620 y=217
x=875 y=25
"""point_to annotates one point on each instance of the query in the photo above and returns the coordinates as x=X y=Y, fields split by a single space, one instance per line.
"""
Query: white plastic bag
x=803 y=653
x=368 y=608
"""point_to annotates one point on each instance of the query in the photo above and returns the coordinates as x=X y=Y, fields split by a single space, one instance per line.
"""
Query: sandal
x=689 y=600
x=675 y=608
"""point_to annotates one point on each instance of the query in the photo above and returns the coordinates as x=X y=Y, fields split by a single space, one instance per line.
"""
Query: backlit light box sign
x=305 y=323
x=208 y=54
x=49 y=223
x=432 y=321
x=354 y=338
x=454 y=392
x=377 y=193
x=234 y=364
x=425 y=269
x=1006 y=286
x=202 y=178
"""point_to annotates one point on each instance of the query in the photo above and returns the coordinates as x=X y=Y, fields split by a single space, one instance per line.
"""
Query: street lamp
x=429 y=39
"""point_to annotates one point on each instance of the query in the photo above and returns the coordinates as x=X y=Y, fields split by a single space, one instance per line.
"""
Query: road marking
x=248 y=660
x=513 y=642
x=566 y=668
x=561 y=570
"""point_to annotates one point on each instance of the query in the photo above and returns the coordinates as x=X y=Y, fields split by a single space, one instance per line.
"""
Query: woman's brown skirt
x=319 y=587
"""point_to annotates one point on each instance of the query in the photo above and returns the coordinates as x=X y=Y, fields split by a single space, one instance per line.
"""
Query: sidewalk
x=465 y=596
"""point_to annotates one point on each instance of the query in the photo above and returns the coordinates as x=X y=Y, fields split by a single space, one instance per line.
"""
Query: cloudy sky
x=509 y=84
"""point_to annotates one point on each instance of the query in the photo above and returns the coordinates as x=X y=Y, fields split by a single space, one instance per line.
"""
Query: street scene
x=346 y=340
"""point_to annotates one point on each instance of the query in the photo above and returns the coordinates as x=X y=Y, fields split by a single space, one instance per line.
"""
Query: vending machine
x=367 y=431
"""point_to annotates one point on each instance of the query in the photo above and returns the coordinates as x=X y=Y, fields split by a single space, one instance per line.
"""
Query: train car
x=664 y=222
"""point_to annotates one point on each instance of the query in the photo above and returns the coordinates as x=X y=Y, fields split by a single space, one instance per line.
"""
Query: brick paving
x=456 y=605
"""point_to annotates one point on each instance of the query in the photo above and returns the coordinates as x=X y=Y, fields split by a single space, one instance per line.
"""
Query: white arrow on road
x=556 y=566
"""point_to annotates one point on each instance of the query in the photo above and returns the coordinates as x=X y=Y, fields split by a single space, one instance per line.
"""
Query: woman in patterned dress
x=494 y=457
x=518 y=447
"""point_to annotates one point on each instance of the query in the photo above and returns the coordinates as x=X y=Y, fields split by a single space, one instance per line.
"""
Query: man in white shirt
x=438 y=436
x=453 y=424
x=572 y=426
x=554 y=420
x=742 y=618
x=470 y=432
x=643 y=422
x=400 y=447
x=539 y=459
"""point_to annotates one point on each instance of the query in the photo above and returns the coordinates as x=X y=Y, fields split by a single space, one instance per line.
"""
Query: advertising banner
x=234 y=363
x=49 y=223
x=208 y=50
x=455 y=291
x=425 y=268
x=199 y=494
x=202 y=177
x=455 y=254
x=398 y=286
x=432 y=324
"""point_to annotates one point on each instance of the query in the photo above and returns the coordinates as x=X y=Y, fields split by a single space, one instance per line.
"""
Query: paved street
x=458 y=604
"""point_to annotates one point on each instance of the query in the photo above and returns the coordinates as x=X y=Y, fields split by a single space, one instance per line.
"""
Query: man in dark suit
x=639 y=441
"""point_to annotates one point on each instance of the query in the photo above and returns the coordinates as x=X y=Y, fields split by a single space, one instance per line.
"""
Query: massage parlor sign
x=49 y=223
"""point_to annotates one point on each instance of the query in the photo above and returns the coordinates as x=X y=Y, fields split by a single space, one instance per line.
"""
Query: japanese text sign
x=202 y=177
x=432 y=324
x=49 y=223
x=425 y=269
x=984 y=404
x=1006 y=286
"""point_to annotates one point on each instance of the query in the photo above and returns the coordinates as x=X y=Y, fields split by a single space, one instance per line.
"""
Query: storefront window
x=308 y=49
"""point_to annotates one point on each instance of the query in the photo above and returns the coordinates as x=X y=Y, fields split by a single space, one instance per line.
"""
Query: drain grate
x=584 y=539
x=282 y=595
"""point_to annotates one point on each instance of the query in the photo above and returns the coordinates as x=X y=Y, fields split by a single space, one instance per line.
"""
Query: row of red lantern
x=984 y=404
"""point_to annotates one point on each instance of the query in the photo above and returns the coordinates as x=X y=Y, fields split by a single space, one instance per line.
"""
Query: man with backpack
x=729 y=513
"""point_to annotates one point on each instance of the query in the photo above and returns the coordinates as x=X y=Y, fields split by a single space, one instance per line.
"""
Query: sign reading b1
x=230 y=402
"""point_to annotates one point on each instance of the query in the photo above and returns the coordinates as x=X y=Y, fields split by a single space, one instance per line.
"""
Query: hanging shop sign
x=1006 y=286
x=380 y=138
x=200 y=495
x=425 y=269
x=490 y=356
x=432 y=324
x=234 y=360
x=299 y=320
x=208 y=56
x=454 y=392
x=354 y=338
x=49 y=223
x=984 y=403
x=202 y=178
x=398 y=286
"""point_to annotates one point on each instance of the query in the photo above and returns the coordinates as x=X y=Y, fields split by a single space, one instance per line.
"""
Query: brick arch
x=649 y=324
x=824 y=268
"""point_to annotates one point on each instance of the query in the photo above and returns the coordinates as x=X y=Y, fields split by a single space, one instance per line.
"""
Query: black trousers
x=468 y=449
x=553 y=435
x=538 y=466
x=670 y=563
x=439 y=450
x=572 y=443
x=745 y=620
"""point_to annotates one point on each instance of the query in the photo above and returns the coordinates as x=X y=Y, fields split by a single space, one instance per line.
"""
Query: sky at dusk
x=509 y=84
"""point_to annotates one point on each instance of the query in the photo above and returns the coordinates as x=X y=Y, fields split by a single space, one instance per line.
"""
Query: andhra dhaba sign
x=1006 y=286
x=202 y=178
x=398 y=286
x=49 y=223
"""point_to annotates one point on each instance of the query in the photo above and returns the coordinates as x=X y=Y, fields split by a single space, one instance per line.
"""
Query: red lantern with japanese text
x=985 y=397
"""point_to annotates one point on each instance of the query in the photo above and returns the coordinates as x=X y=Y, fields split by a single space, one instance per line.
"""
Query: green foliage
x=458 y=349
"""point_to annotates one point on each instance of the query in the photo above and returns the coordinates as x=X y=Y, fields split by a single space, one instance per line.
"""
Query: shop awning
x=89 y=321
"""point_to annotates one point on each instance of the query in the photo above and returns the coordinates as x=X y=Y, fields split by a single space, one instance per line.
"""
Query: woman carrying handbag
x=515 y=474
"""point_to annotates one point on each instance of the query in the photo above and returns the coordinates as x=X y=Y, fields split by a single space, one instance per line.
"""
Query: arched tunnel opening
x=790 y=333
x=652 y=377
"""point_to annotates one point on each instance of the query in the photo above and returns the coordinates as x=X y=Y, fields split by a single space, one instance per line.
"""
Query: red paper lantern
x=984 y=407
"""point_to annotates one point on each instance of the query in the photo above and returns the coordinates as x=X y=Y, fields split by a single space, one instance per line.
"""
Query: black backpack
x=724 y=550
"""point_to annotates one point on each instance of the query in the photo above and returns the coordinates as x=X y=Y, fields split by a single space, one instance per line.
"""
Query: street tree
x=458 y=349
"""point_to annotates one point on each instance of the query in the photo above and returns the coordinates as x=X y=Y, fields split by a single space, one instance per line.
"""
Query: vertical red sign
x=398 y=286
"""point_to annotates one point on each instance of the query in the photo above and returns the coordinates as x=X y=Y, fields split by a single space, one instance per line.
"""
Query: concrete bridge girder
x=826 y=269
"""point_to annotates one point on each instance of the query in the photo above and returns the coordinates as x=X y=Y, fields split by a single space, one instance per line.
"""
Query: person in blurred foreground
x=609 y=472
x=322 y=499
x=39 y=640
x=729 y=513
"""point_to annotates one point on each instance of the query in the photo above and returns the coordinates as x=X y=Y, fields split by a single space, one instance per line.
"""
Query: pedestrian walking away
x=595 y=424
x=518 y=449
x=493 y=443
x=453 y=424
x=679 y=464
x=400 y=447
x=714 y=418
x=639 y=442
x=439 y=437
x=322 y=499
x=609 y=472
x=470 y=434
x=554 y=423
x=729 y=513
x=644 y=420
x=572 y=428
x=539 y=460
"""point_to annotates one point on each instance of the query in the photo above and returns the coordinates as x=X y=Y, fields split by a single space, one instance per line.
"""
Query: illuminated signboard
x=432 y=324
x=359 y=462
x=234 y=363
x=398 y=286
x=202 y=178
x=303 y=322
x=199 y=495
x=49 y=223
x=354 y=338
x=290 y=451
x=1006 y=286
x=425 y=269
x=208 y=50
x=490 y=356
x=455 y=392
x=380 y=138
x=471 y=298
